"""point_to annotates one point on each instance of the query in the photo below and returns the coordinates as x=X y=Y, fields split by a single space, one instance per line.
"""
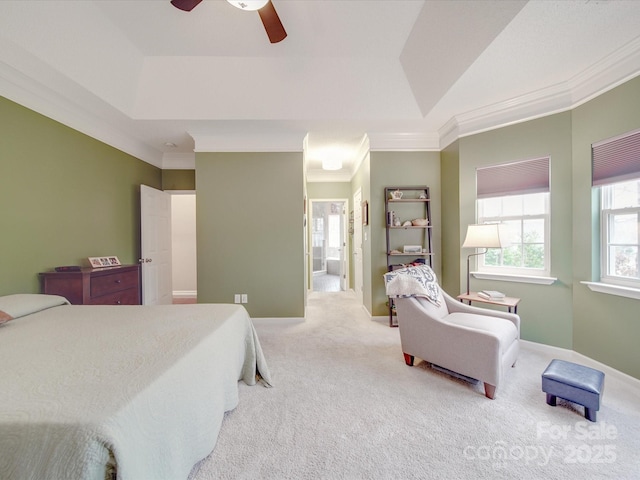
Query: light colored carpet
x=345 y=406
x=325 y=282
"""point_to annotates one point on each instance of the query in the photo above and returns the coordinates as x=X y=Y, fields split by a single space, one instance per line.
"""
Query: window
x=620 y=227
x=517 y=195
x=334 y=236
x=616 y=171
x=527 y=221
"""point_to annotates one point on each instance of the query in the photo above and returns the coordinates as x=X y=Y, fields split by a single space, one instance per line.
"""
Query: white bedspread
x=141 y=388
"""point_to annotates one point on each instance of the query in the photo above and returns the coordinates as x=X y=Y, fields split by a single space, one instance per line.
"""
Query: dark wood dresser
x=96 y=286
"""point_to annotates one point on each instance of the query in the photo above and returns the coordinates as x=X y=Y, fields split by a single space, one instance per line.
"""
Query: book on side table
x=510 y=302
x=491 y=295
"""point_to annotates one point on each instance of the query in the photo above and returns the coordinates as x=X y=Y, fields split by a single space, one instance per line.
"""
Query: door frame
x=177 y=193
x=344 y=263
x=358 y=273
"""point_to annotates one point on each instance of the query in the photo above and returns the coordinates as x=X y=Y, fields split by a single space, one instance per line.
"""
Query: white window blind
x=616 y=159
x=517 y=178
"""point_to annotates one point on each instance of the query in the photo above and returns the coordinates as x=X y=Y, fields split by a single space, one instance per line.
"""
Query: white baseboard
x=380 y=318
x=185 y=293
x=573 y=356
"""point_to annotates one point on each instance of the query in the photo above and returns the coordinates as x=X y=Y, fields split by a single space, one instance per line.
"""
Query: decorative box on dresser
x=96 y=286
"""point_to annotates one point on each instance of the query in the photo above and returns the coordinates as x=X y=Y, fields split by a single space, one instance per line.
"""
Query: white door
x=155 y=236
x=357 y=246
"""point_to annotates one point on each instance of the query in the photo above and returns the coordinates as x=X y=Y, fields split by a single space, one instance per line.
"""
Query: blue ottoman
x=575 y=383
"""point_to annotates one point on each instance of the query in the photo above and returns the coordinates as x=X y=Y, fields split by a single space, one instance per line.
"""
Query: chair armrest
x=455 y=305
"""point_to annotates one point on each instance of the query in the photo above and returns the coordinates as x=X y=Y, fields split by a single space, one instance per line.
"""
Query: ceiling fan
x=266 y=10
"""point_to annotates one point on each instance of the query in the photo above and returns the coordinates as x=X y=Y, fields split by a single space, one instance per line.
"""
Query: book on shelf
x=491 y=295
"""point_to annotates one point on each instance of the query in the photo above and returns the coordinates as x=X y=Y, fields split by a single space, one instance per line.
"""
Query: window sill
x=503 y=277
x=610 y=289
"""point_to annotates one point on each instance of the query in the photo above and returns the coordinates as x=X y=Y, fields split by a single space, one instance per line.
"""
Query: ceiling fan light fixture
x=248 y=4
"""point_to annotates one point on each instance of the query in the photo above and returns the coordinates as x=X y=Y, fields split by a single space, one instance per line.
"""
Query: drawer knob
x=118 y=281
x=118 y=302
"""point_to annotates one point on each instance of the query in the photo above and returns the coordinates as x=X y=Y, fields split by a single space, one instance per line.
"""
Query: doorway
x=183 y=246
x=328 y=245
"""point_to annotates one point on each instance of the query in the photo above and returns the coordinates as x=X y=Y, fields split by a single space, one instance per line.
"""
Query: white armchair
x=475 y=342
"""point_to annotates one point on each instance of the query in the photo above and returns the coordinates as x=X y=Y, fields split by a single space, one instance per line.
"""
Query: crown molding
x=110 y=128
x=615 y=69
x=259 y=142
x=38 y=97
x=612 y=71
x=404 y=141
x=361 y=154
x=527 y=107
x=179 y=161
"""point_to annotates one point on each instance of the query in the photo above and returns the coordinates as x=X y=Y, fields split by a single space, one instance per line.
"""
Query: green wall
x=399 y=169
x=451 y=233
x=606 y=327
x=178 y=179
x=546 y=310
x=565 y=314
x=64 y=196
x=330 y=190
x=250 y=234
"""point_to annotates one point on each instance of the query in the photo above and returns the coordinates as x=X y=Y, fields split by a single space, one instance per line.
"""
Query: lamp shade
x=490 y=235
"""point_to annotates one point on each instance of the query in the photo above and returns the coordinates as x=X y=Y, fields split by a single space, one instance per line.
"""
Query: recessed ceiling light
x=170 y=145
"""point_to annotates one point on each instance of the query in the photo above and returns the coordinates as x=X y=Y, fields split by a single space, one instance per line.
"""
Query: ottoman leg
x=590 y=414
x=551 y=400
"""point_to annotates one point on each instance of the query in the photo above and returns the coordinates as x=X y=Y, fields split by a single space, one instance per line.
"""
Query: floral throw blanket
x=419 y=281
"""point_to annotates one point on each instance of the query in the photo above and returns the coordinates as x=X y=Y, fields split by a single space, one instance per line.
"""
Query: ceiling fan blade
x=272 y=24
x=186 y=5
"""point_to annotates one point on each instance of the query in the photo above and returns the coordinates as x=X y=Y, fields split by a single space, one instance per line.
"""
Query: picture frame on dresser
x=99 y=262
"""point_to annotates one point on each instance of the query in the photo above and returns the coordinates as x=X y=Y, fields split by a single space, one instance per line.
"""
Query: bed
x=126 y=392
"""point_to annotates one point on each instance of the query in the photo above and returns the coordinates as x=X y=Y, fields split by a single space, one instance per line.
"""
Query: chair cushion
x=505 y=330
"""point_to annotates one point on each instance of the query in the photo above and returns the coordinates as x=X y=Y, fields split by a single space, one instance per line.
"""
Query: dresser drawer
x=95 y=286
x=123 y=297
x=113 y=282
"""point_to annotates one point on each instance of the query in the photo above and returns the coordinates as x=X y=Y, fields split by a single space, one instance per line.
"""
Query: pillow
x=21 y=304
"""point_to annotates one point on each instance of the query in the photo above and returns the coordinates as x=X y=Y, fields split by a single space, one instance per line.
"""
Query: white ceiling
x=352 y=74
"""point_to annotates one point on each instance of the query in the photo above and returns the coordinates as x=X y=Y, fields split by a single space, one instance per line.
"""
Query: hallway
x=326 y=283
